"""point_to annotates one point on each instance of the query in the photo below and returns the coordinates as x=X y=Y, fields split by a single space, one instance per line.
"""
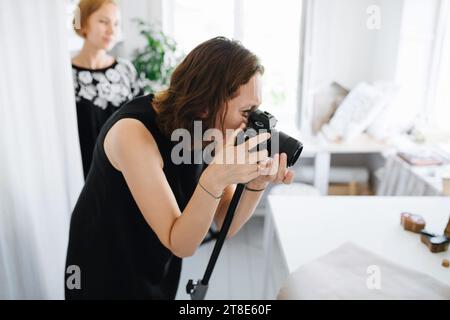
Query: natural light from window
x=271 y=31
x=441 y=114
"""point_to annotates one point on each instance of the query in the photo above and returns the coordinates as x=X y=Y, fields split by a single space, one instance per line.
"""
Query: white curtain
x=40 y=162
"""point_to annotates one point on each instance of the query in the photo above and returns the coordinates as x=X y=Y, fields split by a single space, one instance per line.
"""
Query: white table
x=308 y=227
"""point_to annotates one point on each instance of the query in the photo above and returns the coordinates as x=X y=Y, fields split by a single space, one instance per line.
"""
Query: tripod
x=197 y=290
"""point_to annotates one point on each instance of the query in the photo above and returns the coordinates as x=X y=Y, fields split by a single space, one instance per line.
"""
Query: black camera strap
x=198 y=289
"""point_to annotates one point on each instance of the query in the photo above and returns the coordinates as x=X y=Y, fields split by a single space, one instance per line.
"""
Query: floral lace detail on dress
x=112 y=86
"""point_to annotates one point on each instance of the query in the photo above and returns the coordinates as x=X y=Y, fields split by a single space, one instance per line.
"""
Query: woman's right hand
x=235 y=164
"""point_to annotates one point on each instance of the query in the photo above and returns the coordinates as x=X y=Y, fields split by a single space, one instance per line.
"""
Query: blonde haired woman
x=102 y=83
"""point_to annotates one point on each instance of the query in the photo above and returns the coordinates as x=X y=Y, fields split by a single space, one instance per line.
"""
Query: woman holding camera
x=140 y=213
x=102 y=83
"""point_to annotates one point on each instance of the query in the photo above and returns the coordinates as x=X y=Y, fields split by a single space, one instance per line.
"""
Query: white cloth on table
x=343 y=274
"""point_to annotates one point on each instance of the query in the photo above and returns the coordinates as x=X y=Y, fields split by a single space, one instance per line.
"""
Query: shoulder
x=124 y=63
x=75 y=60
x=129 y=140
x=139 y=106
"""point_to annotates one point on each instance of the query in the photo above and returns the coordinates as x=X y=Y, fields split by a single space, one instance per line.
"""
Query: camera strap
x=197 y=290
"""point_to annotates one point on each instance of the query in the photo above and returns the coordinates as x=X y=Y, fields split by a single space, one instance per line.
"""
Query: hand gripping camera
x=262 y=121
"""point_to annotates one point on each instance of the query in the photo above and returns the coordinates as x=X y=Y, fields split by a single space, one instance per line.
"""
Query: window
x=425 y=63
x=273 y=32
x=440 y=109
x=270 y=30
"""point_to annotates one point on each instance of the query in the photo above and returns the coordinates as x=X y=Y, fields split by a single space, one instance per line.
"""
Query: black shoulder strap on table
x=198 y=290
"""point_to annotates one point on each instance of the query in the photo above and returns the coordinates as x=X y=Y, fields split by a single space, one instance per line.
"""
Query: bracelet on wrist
x=212 y=195
x=254 y=190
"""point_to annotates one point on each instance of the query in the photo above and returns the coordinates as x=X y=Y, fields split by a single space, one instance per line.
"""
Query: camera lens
x=286 y=144
x=279 y=141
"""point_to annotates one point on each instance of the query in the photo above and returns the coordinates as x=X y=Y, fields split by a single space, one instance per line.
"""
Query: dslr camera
x=262 y=121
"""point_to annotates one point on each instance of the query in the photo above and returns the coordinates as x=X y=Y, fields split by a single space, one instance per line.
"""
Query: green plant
x=156 y=61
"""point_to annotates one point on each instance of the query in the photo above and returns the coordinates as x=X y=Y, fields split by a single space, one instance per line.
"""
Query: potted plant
x=156 y=61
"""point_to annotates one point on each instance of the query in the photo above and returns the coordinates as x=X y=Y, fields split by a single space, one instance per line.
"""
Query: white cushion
x=355 y=114
x=381 y=126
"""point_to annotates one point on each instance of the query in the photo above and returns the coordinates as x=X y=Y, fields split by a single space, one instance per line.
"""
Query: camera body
x=262 y=121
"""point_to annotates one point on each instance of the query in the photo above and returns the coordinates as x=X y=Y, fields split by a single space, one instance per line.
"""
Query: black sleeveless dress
x=118 y=254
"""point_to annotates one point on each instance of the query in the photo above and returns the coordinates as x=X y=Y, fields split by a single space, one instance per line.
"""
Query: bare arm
x=132 y=150
x=274 y=171
x=247 y=205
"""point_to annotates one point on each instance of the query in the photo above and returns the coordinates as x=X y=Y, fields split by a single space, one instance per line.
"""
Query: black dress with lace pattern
x=99 y=93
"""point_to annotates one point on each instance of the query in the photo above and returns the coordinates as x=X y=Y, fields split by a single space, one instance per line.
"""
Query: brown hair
x=206 y=80
x=85 y=9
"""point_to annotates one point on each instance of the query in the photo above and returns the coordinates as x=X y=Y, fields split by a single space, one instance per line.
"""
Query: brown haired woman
x=102 y=83
x=140 y=212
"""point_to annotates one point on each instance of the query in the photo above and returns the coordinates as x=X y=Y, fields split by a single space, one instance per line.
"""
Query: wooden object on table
x=445 y=263
x=447 y=229
x=412 y=222
x=434 y=242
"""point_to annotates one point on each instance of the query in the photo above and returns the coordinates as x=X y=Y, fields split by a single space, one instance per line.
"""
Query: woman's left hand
x=273 y=171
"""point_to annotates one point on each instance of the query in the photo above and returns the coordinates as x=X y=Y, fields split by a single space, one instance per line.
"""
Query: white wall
x=148 y=10
x=387 y=40
x=322 y=69
x=353 y=44
x=345 y=50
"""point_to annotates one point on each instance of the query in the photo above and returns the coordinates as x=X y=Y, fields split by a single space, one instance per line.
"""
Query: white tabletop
x=309 y=227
